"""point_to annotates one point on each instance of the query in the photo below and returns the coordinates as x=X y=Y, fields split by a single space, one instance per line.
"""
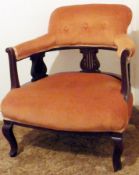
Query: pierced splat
x=38 y=69
x=90 y=62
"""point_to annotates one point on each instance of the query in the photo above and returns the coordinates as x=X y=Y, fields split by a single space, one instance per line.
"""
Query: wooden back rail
x=89 y=64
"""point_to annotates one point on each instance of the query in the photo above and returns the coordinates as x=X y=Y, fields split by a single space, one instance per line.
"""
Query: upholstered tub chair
x=88 y=101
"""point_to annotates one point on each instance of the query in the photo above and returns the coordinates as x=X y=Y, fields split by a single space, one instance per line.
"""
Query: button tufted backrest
x=89 y=24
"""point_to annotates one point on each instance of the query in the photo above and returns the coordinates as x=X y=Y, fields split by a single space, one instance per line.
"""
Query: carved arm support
x=13 y=68
x=125 y=74
x=38 y=69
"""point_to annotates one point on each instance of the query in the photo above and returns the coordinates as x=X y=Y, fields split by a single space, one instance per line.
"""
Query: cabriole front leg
x=7 y=131
x=117 y=153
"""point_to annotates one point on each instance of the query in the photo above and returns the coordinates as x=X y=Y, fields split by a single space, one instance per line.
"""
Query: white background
x=21 y=20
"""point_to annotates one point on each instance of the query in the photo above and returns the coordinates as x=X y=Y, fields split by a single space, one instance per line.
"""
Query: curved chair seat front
x=71 y=102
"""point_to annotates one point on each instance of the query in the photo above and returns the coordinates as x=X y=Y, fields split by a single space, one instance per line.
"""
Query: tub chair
x=86 y=101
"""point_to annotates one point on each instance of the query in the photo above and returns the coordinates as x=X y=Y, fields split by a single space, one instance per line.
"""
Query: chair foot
x=118 y=150
x=7 y=131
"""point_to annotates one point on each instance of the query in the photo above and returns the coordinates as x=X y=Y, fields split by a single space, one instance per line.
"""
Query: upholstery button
x=104 y=25
x=85 y=26
x=66 y=29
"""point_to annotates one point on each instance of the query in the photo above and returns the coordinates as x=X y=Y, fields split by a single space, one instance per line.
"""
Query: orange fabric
x=34 y=46
x=90 y=24
x=70 y=102
x=124 y=42
x=93 y=24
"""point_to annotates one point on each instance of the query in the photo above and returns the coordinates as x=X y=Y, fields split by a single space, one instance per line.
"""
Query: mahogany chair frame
x=89 y=64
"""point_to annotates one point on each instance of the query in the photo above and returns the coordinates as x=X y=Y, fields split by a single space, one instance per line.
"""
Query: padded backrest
x=89 y=24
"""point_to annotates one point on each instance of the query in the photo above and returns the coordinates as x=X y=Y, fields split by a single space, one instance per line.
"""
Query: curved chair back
x=84 y=24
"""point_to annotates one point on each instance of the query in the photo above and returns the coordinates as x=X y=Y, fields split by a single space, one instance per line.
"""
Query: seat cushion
x=71 y=102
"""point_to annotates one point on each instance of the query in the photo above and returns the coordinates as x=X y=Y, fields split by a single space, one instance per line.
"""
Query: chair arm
x=123 y=42
x=13 y=68
x=125 y=74
x=37 y=45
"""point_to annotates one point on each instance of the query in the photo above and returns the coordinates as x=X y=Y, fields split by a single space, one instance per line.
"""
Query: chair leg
x=7 y=131
x=118 y=150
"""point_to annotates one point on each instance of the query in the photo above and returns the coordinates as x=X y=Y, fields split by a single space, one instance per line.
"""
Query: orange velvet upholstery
x=70 y=102
x=93 y=24
x=123 y=42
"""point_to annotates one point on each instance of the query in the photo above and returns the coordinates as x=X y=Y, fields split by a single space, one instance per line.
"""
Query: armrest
x=13 y=68
x=37 y=45
x=38 y=69
x=123 y=42
x=125 y=74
